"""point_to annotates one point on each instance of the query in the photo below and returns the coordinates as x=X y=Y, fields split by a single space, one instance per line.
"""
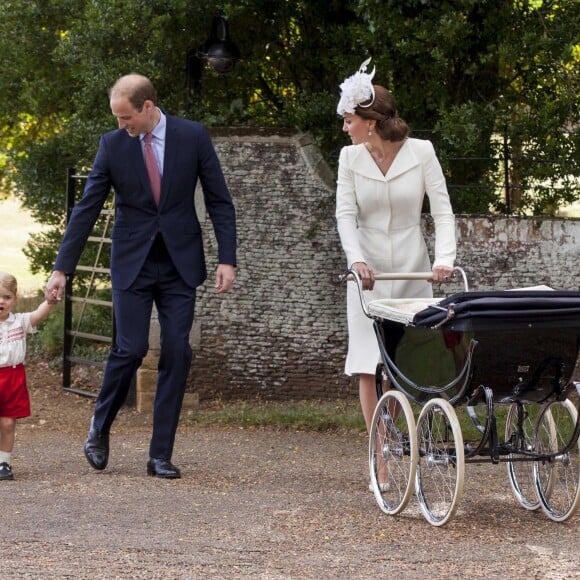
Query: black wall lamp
x=218 y=51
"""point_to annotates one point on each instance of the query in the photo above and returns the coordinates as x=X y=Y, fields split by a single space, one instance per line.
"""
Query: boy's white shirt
x=13 y=333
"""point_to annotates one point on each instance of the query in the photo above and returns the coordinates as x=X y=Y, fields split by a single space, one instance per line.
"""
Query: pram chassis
x=540 y=445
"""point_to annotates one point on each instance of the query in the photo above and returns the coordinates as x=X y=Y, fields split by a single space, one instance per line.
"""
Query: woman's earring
x=370 y=133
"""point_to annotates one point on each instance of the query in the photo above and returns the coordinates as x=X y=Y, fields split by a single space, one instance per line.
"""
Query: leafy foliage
x=475 y=76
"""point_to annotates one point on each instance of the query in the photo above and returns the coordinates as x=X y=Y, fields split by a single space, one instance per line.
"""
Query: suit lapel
x=139 y=164
x=365 y=165
x=404 y=161
x=169 y=156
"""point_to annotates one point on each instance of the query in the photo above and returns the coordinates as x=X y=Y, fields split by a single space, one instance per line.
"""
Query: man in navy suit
x=157 y=255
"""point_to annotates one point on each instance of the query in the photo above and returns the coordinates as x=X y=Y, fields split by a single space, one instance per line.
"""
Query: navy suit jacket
x=119 y=164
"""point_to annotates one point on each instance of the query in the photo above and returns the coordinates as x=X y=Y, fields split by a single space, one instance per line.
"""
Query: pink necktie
x=152 y=168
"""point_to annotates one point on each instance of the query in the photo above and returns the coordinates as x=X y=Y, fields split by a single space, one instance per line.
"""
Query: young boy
x=14 y=399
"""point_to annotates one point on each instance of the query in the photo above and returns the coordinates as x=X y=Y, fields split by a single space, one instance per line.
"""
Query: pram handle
x=422 y=276
x=404 y=276
x=352 y=275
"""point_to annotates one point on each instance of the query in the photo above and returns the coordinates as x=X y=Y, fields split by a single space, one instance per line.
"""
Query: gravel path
x=251 y=503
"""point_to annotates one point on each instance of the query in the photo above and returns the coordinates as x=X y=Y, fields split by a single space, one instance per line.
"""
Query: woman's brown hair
x=383 y=110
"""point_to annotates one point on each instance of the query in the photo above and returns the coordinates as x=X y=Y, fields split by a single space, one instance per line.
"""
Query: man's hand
x=224 y=278
x=55 y=287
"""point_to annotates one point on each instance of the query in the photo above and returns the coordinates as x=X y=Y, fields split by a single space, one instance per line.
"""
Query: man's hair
x=136 y=88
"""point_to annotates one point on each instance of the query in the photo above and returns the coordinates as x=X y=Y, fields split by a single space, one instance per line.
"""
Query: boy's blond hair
x=9 y=282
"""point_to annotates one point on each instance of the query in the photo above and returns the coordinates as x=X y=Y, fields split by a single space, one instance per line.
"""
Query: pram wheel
x=557 y=479
x=519 y=431
x=393 y=452
x=441 y=466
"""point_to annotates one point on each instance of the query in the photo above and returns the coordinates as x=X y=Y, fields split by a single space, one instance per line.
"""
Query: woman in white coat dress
x=382 y=180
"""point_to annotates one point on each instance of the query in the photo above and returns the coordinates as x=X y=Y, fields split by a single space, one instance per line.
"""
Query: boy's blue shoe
x=6 y=471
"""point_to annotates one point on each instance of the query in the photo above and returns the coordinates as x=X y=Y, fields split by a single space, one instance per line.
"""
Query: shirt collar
x=159 y=129
x=10 y=318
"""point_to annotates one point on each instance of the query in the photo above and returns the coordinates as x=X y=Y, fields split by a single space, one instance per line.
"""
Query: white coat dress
x=379 y=223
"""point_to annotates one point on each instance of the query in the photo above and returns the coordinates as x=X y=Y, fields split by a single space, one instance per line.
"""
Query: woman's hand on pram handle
x=366 y=275
x=441 y=273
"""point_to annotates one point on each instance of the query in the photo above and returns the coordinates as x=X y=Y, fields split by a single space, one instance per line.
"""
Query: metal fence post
x=506 y=172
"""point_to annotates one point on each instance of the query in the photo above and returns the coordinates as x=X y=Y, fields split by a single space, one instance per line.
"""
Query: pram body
x=523 y=344
x=476 y=349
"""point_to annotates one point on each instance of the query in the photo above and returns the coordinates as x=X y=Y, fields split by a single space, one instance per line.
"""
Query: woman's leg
x=368 y=397
x=369 y=400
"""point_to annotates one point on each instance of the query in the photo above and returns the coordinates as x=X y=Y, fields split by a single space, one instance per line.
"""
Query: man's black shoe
x=162 y=468
x=97 y=448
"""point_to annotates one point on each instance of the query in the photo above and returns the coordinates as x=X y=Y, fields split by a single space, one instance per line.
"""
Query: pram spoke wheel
x=519 y=432
x=441 y=464
x=393 y=452
x=557 y=479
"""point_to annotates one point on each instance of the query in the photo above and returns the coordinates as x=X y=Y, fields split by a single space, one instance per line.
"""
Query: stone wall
x=281 y=334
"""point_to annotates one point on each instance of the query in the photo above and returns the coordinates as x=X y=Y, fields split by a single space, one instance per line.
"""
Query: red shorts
x=14 y=399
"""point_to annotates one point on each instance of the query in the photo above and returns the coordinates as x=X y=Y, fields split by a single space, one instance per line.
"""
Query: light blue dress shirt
x=158 y=141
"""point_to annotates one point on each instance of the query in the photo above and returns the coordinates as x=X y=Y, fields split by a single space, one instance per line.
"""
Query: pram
x=516 y=348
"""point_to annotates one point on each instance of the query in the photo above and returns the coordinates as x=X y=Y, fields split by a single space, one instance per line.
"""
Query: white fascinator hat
x=357 y=89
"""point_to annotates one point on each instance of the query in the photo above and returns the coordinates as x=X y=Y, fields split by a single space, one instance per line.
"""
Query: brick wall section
x=282 y=333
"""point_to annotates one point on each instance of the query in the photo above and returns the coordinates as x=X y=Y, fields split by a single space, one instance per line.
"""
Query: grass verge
x=315 y=415
x=294 y=415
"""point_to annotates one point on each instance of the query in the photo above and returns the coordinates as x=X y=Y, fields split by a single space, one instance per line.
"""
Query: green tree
x=538 y=106
x=477 y=72
x=472 y=75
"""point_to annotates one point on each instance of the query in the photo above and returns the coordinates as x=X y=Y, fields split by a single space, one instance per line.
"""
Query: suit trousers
x=158 y=283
